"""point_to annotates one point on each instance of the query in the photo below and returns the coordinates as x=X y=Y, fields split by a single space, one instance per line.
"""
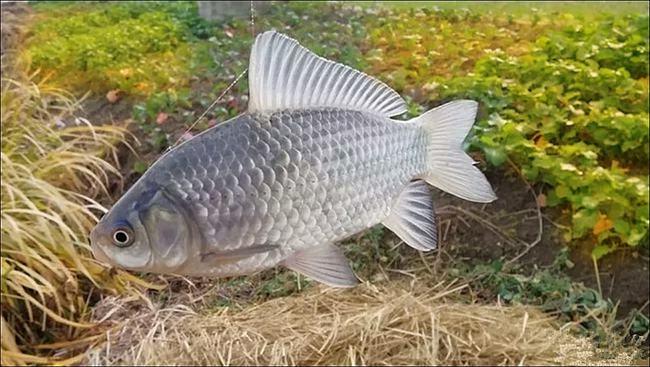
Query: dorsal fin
x=284 y=75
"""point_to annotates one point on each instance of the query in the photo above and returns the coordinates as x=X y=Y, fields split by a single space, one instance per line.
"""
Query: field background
x=555 y=271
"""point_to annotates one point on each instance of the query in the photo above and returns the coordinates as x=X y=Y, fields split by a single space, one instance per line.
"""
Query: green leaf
x=590 y=202
x=140 y=167
x=496 y=156
x=636 y=235
x=583 y=222
x=562 y=191
x=601 y=250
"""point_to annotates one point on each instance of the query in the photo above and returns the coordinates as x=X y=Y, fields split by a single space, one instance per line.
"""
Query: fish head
x=146 y=230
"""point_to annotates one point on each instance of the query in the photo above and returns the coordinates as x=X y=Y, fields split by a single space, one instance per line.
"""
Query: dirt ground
x=623 y=274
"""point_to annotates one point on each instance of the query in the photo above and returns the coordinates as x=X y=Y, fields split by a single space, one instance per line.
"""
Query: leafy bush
x=578 y=126
x=571 y=112
x=408 y=48
x=613 y=42
x=135 y=47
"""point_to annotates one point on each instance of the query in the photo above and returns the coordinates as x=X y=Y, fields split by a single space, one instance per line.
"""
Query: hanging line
x=228 y=88
x=252 y=21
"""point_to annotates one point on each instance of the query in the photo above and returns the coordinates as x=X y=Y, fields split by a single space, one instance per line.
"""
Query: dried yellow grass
x=53 y=167
x=390 y=324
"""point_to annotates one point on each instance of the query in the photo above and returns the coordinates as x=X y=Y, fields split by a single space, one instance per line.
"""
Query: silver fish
x=315 y=160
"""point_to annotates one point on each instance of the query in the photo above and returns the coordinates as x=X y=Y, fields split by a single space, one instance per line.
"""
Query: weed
x=49 y=158
x=553 y=291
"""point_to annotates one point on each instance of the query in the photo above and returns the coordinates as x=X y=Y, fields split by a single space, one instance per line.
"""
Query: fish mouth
x=99 y=254
x=96 y=248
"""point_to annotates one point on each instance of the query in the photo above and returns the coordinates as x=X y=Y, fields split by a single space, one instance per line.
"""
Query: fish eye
x=122 y=237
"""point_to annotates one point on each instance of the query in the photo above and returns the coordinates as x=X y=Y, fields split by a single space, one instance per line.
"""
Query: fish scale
x=305 y=178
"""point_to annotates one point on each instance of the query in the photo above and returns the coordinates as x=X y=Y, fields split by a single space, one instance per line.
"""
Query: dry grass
x=48 y=158
x=394 y=323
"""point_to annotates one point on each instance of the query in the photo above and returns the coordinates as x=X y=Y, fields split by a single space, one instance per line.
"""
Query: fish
x=317 y=158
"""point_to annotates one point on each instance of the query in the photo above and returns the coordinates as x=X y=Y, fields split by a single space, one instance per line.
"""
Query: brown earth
x=623 y=274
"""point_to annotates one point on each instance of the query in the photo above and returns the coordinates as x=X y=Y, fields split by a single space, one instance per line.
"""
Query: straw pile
x=391 y=324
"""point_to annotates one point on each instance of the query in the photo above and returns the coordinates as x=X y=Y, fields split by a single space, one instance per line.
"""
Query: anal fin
x=325 y=264
x=413 y=218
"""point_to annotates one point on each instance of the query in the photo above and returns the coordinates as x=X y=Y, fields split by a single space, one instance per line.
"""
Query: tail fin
x=449 y=167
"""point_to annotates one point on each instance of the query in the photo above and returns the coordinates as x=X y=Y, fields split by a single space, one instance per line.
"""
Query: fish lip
x=95 y=246
x=99 y=254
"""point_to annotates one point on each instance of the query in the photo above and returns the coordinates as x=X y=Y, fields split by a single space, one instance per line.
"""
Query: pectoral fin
x=413 y=219
x=325 y=264
x=228 y=256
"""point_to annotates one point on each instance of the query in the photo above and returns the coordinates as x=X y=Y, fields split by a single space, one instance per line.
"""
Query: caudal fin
x=449 y=167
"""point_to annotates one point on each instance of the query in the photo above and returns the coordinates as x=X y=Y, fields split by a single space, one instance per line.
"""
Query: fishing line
x=252 y=21
x=228 y=88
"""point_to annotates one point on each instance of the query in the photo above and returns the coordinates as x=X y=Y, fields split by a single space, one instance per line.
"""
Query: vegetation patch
x=137 y=48
x=54 y=166
x=581 y=308
x=569 y=105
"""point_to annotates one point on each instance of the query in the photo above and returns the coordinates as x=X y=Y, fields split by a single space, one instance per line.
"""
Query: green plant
x=409 y=48
x=574 y=119
x=555 y=293
x=562 y=97
x=577 y=126
x=135 y=47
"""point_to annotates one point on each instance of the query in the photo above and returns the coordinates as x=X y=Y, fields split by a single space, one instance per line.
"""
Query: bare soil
x=623 y=273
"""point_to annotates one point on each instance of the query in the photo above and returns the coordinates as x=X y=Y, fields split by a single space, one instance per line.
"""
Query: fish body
x=302 y=170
